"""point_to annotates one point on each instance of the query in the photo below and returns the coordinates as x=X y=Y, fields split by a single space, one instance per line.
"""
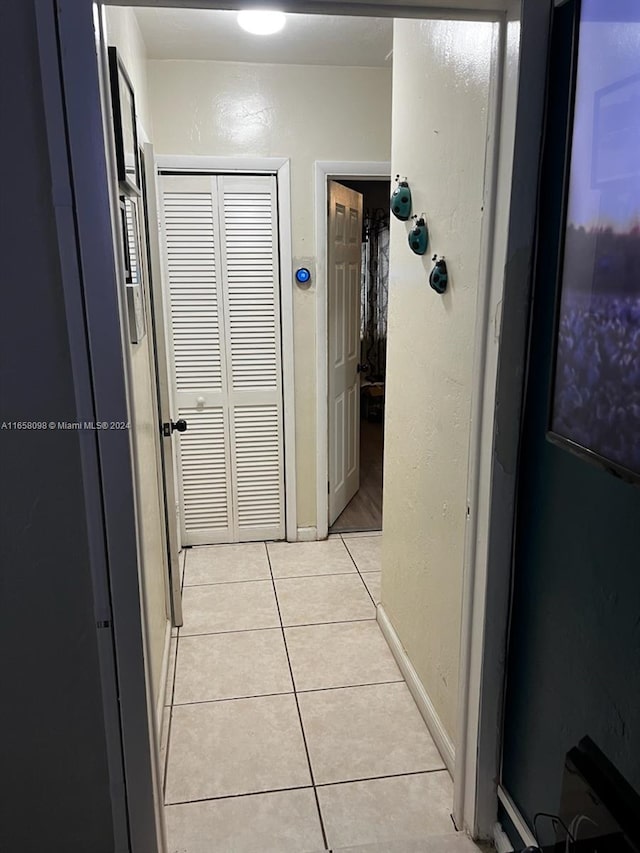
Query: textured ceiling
x=305 y=40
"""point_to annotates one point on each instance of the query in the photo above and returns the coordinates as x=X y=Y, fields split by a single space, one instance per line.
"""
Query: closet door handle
x=180 y=425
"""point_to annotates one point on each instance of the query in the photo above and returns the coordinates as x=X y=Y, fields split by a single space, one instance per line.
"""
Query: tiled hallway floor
x=288 y=726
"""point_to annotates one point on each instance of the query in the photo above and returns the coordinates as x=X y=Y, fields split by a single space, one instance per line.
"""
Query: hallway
x=288 y=726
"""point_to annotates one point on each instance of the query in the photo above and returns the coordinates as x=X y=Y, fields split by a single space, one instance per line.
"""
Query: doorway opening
x=224 y=675
x=258 y=122
x=363 y=511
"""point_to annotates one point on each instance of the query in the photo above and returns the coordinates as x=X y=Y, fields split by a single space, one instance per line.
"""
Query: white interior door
x=158 y=330
x=221 y=255
x=344 y=260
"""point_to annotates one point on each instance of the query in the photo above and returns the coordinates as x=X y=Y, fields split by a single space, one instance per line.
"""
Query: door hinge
x=328 y=487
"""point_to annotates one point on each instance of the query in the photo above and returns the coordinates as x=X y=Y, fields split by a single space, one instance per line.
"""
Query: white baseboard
x=519 y=823
x=307 y=534
x=501 y=840
x=163 y=676
x=425 y=705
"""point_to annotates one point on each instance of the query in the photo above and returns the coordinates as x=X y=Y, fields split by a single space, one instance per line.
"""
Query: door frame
x=280 y=168
x=74 y=88
x=157 y=310
x=80 y=191
x=330 y=424
x=325 y=171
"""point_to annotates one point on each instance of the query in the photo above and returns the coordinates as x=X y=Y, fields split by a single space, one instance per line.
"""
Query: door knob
x=170 y=426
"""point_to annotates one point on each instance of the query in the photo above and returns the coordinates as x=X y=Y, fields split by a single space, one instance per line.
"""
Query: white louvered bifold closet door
x=220 y=234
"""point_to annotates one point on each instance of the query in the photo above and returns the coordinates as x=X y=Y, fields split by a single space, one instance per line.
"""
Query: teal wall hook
x=419 y=236
x=401 y=200
x=439 y=275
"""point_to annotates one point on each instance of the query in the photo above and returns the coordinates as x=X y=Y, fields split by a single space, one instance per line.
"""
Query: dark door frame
x=71 y=87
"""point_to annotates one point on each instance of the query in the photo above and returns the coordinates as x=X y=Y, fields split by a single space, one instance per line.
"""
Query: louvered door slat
x=250 y=261
x=197 y=329
x=255 y=385
x=259 y=498
x=193 y=297
x=223 y=281
x=204 y=471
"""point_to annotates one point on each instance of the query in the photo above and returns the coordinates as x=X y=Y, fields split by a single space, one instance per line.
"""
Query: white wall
x=123 y=33
x=303 y=112
x=439 y=142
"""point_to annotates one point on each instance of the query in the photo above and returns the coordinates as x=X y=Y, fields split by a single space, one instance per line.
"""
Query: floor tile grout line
x=231 y=699
x=272 y=628
x=321 y=624
x=375 y=603
x=284 y=693
x=442 y=769
x=370 y=571
x=231 y=631
x=308 y=787
x=234 y=631
x=295 y=696
x=240 y=795
x=352 y=686
x=323 y=574
x=277 y=627
x=280 y=578
x=227 y=583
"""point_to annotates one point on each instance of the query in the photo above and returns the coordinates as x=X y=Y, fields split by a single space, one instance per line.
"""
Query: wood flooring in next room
x=364 y=510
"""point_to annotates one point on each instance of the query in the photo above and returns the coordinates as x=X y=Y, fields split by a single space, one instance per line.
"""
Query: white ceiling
x=305 y=40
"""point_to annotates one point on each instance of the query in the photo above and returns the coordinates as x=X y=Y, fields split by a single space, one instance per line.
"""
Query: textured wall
x=440 y=102
x=307 y=113
x=124 y=33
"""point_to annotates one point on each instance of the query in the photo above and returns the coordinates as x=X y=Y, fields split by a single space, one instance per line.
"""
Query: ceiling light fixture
x=261 y=22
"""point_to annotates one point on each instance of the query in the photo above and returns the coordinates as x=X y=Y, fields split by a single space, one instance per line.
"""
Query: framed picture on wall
x=595 y=392
x=124 y=125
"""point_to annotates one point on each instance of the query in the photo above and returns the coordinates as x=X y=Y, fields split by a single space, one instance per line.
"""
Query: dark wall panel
x=55 y=784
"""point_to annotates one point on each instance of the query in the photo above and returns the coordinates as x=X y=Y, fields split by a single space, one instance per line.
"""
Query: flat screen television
x=595 y=389
x=599 y=809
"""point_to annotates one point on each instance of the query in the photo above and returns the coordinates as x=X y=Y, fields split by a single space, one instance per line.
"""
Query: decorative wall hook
x=419 y=236
x=439 y=275
x=401 y=200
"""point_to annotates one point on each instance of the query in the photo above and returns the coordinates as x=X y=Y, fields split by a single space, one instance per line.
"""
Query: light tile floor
x=288 y=726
